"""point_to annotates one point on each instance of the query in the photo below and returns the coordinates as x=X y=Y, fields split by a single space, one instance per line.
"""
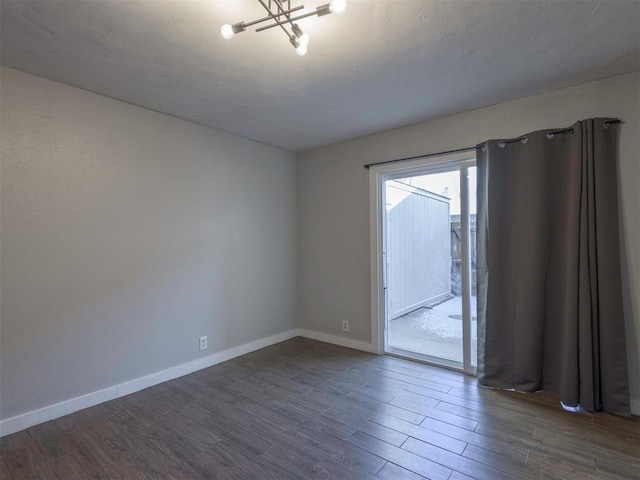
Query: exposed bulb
x=338 y=6
x=301 y=50
x=227 y=31
x=301 y=37
x=304 y=39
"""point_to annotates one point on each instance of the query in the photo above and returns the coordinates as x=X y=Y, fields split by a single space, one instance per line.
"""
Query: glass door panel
x=430 y=289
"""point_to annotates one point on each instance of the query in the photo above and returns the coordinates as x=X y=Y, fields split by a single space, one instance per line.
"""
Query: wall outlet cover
x=203 y=343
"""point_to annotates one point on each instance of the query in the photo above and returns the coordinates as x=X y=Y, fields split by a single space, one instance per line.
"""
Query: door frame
x=378 y=174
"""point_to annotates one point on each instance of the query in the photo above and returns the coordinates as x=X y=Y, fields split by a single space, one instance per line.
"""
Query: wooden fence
x=456 y=255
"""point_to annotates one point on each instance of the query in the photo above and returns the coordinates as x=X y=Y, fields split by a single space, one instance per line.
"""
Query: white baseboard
x=51 y=412
x=337 y=340
x=29 y=419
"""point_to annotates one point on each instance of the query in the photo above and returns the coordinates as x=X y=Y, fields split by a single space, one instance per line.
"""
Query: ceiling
x=382 y=64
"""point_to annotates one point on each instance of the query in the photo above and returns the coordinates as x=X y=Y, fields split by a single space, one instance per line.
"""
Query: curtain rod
x=406 y=159
x=605 y=124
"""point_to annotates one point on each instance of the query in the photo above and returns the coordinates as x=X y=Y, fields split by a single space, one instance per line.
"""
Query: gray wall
x=333 y=199
x=125 y=236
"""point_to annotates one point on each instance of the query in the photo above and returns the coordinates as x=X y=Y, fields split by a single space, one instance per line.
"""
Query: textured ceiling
x=380 y=65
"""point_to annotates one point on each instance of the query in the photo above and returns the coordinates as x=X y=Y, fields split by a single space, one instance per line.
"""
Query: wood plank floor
x=304 y=409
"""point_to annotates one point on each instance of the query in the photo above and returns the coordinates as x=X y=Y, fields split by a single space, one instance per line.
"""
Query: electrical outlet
x=345 y=326
x=203 y=343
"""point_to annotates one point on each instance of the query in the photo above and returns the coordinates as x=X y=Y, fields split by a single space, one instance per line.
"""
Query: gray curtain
x=548 y=265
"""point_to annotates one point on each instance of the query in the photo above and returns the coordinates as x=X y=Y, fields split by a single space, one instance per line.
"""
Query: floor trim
x=51 y=412
x=337 y=340
x=35 y=417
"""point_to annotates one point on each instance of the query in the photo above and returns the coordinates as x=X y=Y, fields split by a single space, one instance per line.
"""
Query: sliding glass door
x=428 y=258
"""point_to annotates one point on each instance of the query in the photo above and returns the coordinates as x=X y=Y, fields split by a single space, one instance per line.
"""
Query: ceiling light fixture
x=280 y=11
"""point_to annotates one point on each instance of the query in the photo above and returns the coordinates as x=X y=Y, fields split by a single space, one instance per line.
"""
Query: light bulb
x=301 y=37
x=338 y=6
x=301 y=50
x=227 y=31
x=304 y=39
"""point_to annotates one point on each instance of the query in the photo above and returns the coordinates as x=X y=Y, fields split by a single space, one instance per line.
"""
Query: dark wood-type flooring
x=304 y=409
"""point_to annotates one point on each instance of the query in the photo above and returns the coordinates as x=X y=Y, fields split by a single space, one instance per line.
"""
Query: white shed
x=418 y=248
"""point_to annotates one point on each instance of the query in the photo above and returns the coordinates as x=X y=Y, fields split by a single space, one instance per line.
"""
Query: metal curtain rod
x=458 y=150
x=550 y=134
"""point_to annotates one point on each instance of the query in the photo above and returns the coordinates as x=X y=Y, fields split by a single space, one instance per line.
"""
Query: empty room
x=337 y=239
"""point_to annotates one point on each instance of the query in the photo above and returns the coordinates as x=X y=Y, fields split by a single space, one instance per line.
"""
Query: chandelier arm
x=278 y=23
x=267 y=27
x=274 y=15
x=283 y=12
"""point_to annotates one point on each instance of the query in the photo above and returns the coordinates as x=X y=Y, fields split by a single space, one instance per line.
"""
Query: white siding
x=418 y=248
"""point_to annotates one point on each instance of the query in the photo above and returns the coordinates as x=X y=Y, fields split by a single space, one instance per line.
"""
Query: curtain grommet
x=502 y=144
x=524 y=140
x=550 y=135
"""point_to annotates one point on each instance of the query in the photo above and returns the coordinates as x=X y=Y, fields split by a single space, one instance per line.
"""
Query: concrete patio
x=435 y=331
